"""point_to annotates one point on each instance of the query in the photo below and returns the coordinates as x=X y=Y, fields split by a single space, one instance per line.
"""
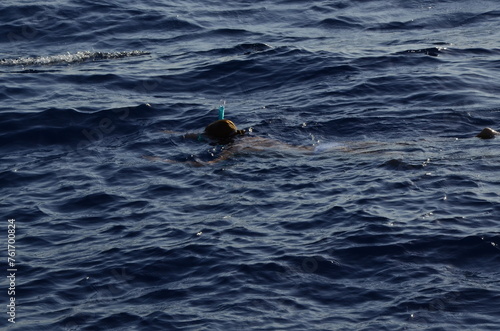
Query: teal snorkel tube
x=221 y=110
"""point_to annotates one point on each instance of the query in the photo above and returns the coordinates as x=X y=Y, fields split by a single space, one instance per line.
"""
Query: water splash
x=70 y=58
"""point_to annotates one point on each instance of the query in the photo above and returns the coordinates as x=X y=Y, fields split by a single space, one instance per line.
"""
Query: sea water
x=117 y=222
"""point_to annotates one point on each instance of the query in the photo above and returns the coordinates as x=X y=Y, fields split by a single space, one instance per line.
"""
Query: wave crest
x=77 y=57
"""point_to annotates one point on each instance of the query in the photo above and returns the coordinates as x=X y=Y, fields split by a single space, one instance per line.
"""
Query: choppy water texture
x=391 y=225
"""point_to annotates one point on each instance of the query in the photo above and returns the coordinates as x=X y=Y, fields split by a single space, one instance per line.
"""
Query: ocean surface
x=375 y=207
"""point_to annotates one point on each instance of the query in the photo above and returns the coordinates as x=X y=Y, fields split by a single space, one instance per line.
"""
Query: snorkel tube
x=221 y=110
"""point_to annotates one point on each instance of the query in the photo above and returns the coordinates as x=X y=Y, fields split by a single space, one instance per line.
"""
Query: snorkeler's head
x=222 y=129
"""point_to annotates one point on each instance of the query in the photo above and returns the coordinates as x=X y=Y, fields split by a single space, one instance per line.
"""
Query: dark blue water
x=396 y=230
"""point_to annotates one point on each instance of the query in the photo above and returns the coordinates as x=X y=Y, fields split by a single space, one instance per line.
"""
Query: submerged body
x=234 y=141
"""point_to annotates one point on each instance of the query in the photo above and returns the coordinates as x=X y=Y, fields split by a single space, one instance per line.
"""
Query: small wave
x=395 y=164
x=432 y=51
x=70 y=58
x=68 y=127
x=340 y=23
x=249 y=48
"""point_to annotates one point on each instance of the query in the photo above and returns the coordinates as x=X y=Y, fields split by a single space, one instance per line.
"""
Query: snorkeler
x=225 y=133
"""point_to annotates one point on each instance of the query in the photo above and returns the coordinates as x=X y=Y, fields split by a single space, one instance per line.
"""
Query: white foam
x=70 y=58
x=324 y=147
